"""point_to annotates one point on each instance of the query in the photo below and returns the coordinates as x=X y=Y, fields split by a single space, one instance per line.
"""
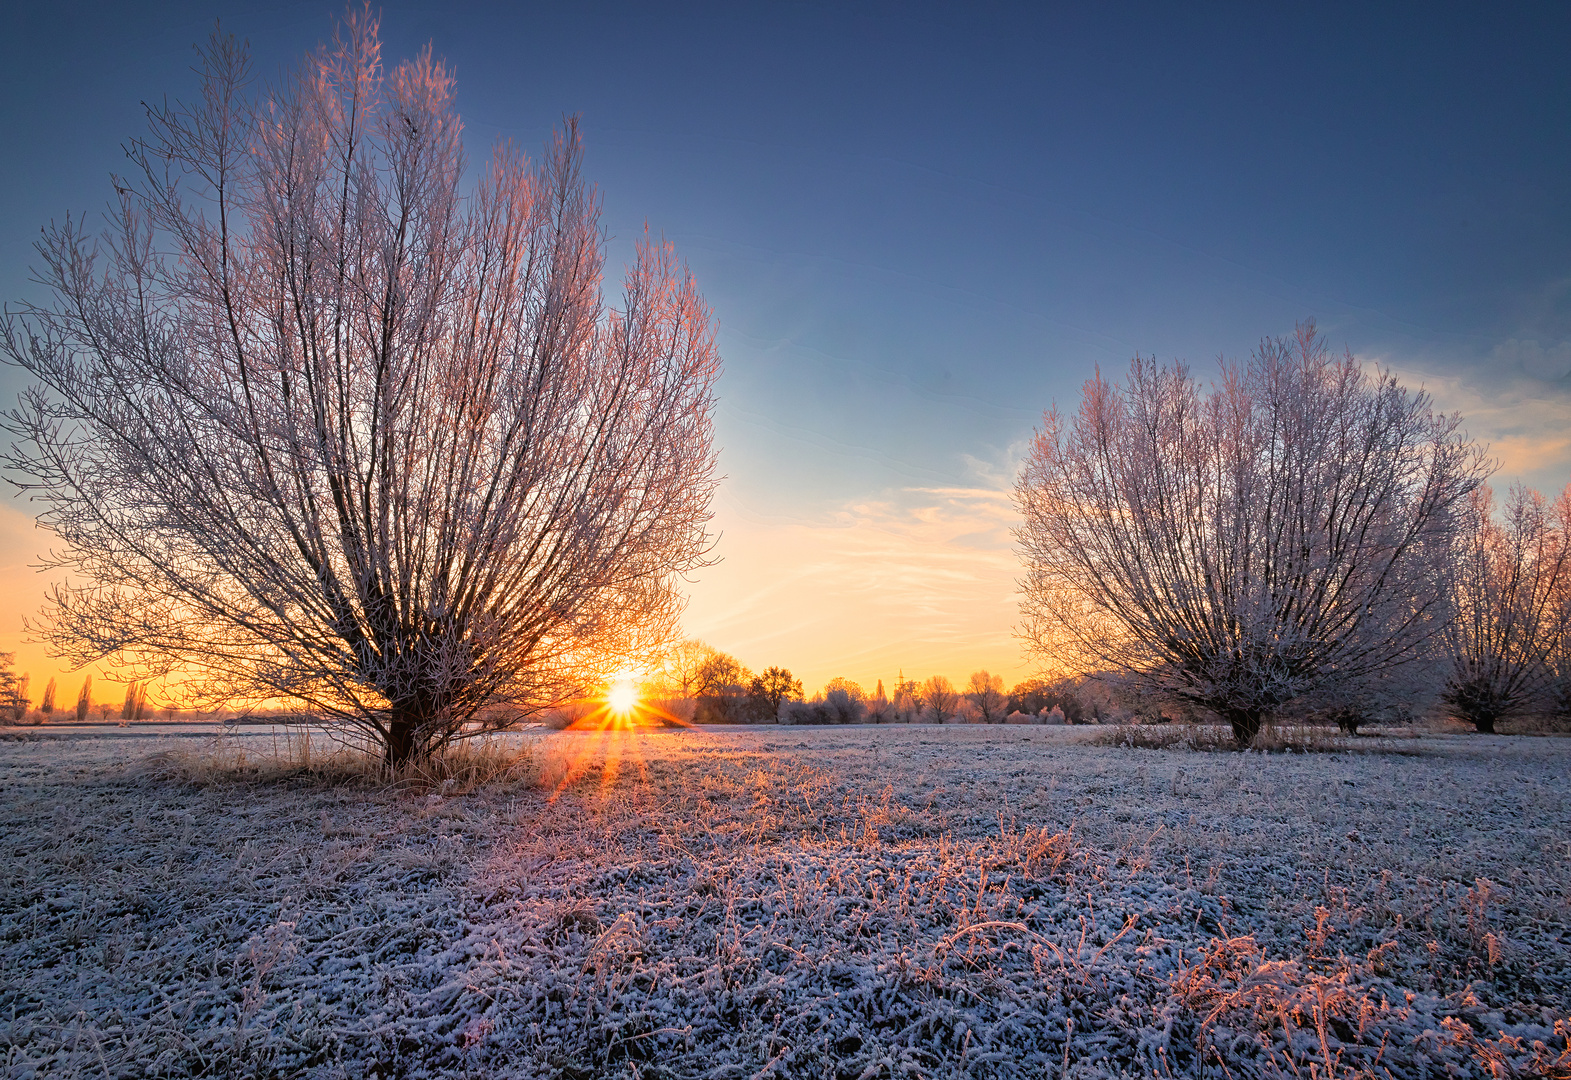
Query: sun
x=622 y=699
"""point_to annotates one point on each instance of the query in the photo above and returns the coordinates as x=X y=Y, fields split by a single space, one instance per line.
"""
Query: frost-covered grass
x=849 y=902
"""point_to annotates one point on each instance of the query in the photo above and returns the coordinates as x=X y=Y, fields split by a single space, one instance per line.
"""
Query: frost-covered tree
x=941 y=697
x=843 y=701
x=314 y=419
x=47 y=704
x=1037 y=695
x=1513 y=574
x=986 y=692
x=1285 y=534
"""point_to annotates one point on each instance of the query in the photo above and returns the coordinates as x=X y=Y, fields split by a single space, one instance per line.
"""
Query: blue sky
x=921 y=225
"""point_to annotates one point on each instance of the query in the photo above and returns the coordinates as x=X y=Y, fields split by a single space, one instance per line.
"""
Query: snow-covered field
x=840 y=902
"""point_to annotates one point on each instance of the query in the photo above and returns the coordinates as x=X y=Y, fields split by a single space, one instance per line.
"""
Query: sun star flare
x=622 y=698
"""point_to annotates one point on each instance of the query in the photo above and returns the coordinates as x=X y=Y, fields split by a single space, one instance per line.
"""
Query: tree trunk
x=401 y=743
x=1485 y=724
x=1245 y=724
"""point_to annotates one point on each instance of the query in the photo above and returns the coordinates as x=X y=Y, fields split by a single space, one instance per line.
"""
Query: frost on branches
x=1513 y=579
x=1284 y=537
x=313 y=422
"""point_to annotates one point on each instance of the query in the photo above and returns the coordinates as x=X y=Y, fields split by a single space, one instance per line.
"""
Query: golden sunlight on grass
x=615 y=718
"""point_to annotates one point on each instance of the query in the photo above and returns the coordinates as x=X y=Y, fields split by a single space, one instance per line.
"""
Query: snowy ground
x=841 y=902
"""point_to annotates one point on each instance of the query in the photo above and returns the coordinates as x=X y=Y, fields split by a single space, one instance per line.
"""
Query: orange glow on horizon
x=622 y=699
x=617 y=720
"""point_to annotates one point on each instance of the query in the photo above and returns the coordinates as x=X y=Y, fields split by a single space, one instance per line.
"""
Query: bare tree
x=681 y=667
x=986 y=692
x=775 y=685
x=313 y=423
x=1512 y=579
x=1286 y=533
x=47 y=705
x=722 y=673
x=721 y=687
x=941 y=697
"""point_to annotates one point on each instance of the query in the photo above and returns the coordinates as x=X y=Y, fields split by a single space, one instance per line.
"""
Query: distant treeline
x=700 y=684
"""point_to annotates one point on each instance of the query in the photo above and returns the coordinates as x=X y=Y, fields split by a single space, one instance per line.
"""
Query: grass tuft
x=1274 y=738
x=460 y=769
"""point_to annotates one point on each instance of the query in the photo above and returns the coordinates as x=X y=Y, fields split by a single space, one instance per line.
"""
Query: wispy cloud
x=1519 y=406
x=1550 y=363
x=921 y=579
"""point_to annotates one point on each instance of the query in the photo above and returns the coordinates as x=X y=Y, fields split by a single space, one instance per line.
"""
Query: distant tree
x=14 y=701
x=319 y=419
x=941 y=697
x=47 y=705
x=721 y=673
x=774 y=686
x=104 y=709
x=1512 y=574
x=722 y=684
x=845 y=702
x=135 y=706
x=986 y=692
x=879 y=708
x=681 y=666
x=1035 y=695
x=84 y=699
x=848 y=686
x=20 y=701
x=1029 y=696
x=1285 y=534
x=908 y=700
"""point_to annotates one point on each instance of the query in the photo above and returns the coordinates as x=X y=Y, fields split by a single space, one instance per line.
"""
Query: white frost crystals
x=311 y=422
